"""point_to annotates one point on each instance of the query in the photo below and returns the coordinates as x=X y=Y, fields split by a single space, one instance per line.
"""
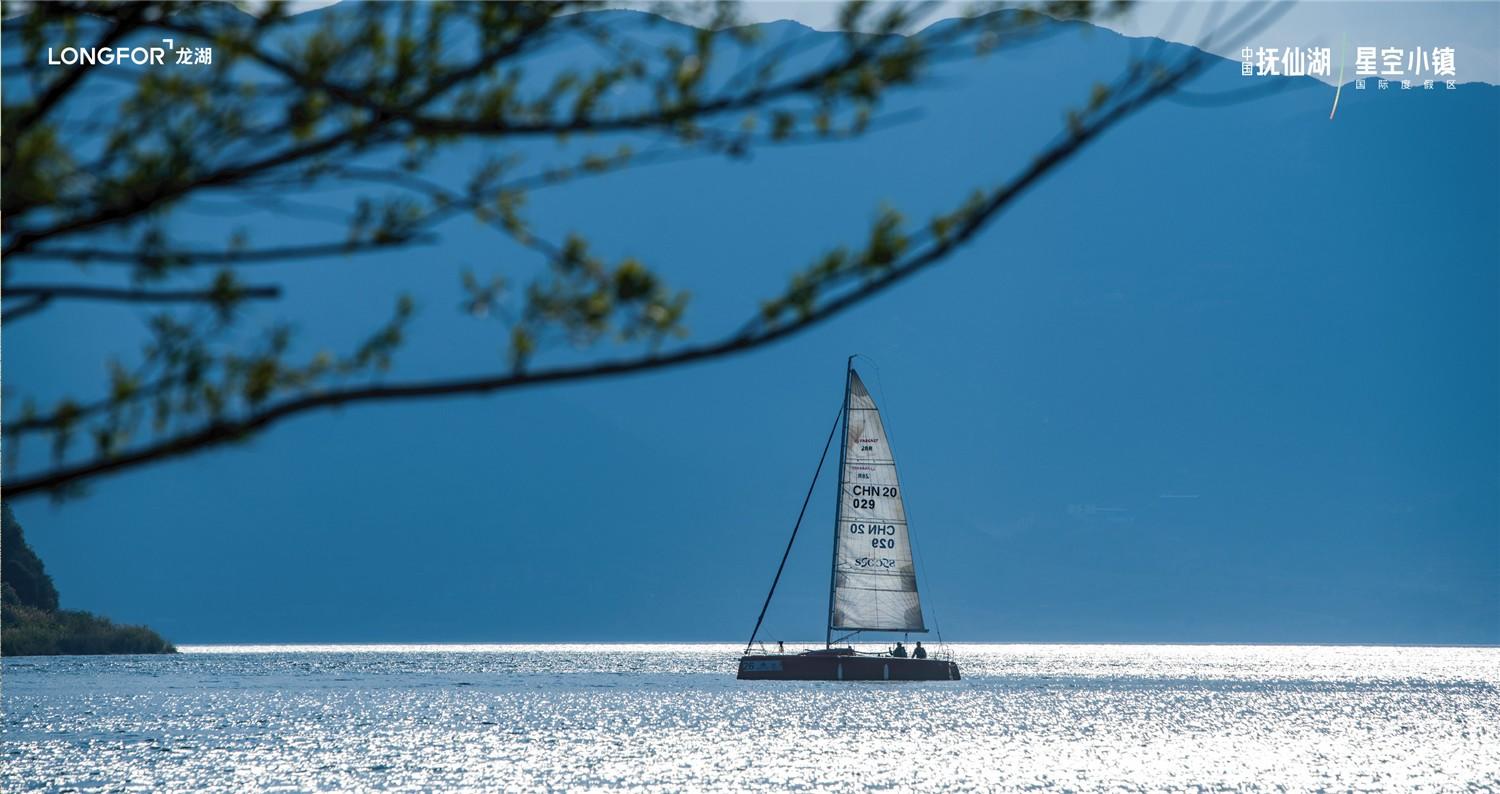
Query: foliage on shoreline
x=32 y=625
x=33 y=632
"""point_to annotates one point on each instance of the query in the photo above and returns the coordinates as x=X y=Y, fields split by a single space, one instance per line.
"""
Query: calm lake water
x=672 y=717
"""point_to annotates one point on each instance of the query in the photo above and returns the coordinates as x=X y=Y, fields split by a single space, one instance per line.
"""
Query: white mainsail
x=874 y=580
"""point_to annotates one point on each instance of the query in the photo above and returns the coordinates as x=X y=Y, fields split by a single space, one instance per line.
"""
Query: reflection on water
x=672 y=717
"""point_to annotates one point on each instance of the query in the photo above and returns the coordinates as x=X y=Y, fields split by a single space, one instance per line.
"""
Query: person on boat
x=899 y=651
x=919 y=652
x=780 y=648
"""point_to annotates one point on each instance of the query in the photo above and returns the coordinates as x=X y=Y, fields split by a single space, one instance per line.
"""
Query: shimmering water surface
x=672 y=717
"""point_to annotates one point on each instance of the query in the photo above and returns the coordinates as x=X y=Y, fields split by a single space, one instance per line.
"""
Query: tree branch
x=187 y=258
x=49 y=292
x=377 y=129
x=28 y=308
x=363 y=134
x=755 y=335
x=59 y=88
x=842 y=287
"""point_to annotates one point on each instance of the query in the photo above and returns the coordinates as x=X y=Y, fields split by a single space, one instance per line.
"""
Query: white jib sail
x=875 y=583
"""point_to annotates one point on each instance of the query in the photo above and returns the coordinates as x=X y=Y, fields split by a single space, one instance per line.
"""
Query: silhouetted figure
x=779 y=647
x=899 y=651
x=919 y=652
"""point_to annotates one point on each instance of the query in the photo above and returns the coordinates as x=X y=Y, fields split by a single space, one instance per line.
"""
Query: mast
x=838 y=501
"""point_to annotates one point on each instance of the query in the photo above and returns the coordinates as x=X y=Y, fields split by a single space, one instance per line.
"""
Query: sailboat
x=873 y=582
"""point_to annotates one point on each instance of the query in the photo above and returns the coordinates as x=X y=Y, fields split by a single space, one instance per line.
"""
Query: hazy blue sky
x=1229 y=376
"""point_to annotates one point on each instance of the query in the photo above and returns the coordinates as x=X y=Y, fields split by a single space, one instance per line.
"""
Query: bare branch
x=187 y=258
x=50 y=292
x=26 y=309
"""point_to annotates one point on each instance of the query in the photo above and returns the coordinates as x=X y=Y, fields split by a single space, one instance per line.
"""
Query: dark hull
x=823 y=667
